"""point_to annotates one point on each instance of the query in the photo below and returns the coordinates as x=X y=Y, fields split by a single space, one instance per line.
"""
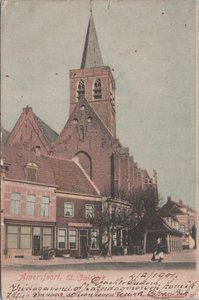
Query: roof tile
x=65 y=174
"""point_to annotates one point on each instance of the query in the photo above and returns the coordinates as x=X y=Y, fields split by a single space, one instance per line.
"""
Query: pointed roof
x=30 y=129
x=175 y=208
x=89 y=112
x=92 y=55
x=47 y=130
x=155 y=224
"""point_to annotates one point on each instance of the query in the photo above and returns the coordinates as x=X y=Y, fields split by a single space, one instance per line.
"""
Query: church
x=56 y=185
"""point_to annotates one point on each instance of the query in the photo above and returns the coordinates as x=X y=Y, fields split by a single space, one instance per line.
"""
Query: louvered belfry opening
x=81 y=90
x=97 y=91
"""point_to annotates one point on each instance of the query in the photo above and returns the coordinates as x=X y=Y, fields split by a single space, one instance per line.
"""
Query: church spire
x=92 y=55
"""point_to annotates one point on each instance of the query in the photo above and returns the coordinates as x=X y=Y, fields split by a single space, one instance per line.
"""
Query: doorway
x=83 y=241
x=36 y=245
x=36 y=241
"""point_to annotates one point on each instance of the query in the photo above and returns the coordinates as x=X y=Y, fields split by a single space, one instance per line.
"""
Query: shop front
x=76 y=241
x=25 y=240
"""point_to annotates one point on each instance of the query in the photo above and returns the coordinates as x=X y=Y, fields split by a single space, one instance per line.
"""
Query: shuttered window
x=97 y=91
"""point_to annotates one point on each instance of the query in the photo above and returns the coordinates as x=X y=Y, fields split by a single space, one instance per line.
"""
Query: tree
x=141 y=203
x=145 y=206
x=144 y=201
x=108 y=221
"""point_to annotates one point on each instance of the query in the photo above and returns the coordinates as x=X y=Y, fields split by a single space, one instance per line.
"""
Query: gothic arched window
x=85 y=161
x=97 y=91
x=81 y=89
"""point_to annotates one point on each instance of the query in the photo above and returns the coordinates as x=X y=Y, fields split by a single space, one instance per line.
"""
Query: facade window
x=45 y=206
x=25 y=238
x=89 y=210
x=15 y=203
x=13 y=237
x=97 y=91
x=47 y=237
x=30 y=205
x=31 y=172
x=68 y=210
x=94 y=239
x=62 y=239
x=81 y=89
x=72 y=239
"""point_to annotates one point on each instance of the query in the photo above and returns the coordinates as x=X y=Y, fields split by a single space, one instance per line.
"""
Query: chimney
x=180 y=202
x=37 y=150
x=169 y=198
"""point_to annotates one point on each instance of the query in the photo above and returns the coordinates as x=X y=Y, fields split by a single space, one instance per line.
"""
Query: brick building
x=29 y=208
x=89 y=141
x=31 y=131
x=90 y=132
x=47 y=201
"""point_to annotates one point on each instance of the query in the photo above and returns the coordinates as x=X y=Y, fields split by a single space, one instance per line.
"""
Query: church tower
x=94 y=81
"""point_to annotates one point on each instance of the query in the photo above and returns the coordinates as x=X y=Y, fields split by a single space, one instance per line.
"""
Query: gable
x=84 y=127
x=30 y=131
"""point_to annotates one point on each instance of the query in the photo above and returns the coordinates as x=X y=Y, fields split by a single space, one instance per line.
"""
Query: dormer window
x=97 y=91
x=81 y=90
x=31 y=172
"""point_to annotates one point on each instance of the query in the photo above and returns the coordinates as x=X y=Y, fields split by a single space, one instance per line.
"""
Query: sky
x=150 y=45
